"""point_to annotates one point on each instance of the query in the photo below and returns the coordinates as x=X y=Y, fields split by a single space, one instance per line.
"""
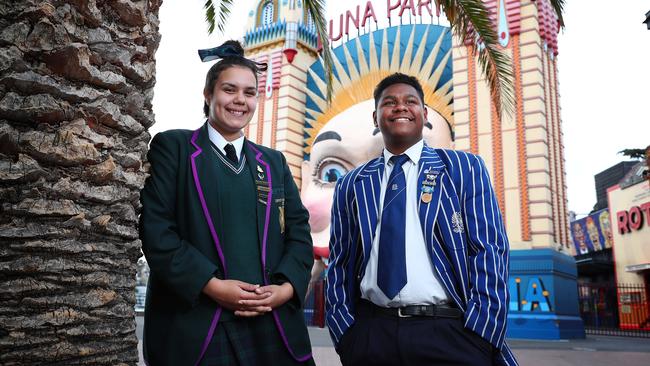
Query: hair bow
x=215 y=53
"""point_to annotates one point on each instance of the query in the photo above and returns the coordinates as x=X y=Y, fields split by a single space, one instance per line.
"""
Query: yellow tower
x=282 y=35
x=524 y=150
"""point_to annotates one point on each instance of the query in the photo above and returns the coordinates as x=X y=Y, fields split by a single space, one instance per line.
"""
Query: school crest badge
x=457 y=222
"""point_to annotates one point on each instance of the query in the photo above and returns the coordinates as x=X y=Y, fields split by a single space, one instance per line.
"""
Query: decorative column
x=524 y=152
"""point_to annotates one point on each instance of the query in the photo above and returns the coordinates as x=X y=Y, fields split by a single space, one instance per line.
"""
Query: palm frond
x=316 y=9
x=465 y=15
x=633 y=153
x=217 y=19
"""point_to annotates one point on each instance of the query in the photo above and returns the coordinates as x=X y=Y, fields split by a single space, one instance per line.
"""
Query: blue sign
x=529 y=294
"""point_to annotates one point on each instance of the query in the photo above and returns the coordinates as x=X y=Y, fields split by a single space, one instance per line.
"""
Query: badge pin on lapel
x=426 y=193
x=430 y=178
x=260 y=172
x=428 y=184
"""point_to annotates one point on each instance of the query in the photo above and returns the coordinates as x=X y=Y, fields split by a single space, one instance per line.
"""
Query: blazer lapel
x=205 y=181
x=261 y=171
x=367 y=189
x=434 y=176
x=430 y=170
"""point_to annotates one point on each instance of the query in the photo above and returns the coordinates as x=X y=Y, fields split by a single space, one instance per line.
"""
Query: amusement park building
x=523 y=150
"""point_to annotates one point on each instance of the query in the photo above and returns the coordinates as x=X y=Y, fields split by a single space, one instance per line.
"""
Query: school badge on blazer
x=457 y=222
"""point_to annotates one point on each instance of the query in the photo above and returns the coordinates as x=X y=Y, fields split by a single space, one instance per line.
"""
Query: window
x=267 y=13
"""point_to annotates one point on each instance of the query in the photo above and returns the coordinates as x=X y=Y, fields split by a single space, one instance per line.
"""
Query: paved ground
x=592 y=351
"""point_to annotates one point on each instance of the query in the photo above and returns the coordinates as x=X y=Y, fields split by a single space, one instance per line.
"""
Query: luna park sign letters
x=356 y=19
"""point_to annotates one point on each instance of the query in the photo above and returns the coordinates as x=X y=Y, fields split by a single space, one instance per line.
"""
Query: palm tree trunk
x=76 y=84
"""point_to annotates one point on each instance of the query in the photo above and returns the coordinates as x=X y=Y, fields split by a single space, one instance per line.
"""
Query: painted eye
x=330 y=171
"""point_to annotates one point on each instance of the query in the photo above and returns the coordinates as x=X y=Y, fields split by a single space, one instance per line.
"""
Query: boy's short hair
x=398 y=78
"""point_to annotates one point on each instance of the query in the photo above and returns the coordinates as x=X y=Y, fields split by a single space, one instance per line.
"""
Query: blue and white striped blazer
x=463 y=230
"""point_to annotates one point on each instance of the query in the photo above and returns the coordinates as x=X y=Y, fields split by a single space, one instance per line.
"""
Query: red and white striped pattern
x=276 y=60
x=513 y=12
x=549 y=25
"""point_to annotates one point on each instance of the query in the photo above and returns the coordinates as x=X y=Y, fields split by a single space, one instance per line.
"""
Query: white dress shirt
x=423 y=286
x=220 y=142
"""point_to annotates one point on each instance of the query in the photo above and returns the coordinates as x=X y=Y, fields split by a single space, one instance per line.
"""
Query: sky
x=604 y=85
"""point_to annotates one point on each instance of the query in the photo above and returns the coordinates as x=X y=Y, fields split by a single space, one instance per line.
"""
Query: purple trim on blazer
x=286 y=341
x=206 y=342
x=267 y=216
x=278 y=325
x=206 y=213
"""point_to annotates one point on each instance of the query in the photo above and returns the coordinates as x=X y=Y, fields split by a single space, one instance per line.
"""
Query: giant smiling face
x=346 y=141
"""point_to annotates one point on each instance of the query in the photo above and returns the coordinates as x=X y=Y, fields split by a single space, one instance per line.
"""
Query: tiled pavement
x=592 y=351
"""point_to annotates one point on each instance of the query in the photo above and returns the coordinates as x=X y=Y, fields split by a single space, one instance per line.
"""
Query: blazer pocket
x=453 y=200
x=278 y=194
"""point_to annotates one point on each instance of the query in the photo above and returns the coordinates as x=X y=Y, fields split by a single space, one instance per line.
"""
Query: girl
x=225 y=235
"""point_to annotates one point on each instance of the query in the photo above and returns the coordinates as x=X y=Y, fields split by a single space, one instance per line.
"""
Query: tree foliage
x=469 y=20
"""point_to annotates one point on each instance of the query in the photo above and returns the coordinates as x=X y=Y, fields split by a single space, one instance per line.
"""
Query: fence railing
x=615 y=309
